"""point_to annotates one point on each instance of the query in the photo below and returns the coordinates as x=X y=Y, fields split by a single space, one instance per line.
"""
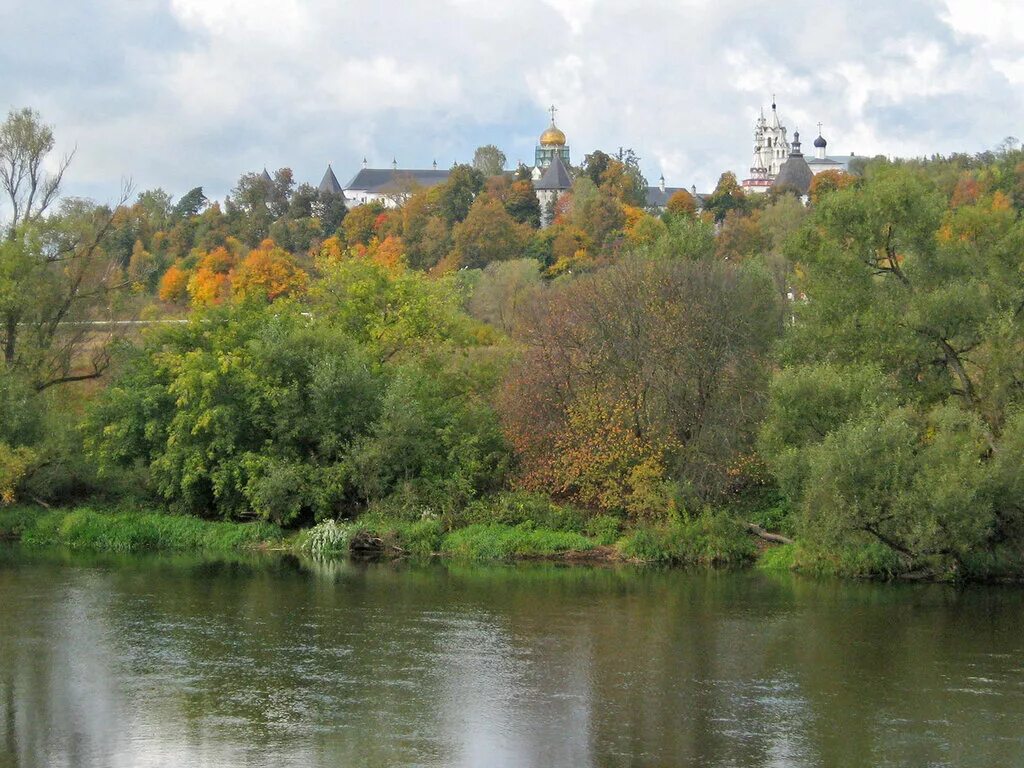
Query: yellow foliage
x=14 y=465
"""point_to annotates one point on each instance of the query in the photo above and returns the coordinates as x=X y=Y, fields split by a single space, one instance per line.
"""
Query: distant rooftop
x=384 y=180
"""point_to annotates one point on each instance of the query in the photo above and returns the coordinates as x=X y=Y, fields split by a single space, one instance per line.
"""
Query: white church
x=777 y=161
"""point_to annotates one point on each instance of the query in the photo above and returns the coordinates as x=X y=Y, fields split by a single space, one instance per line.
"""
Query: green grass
x=778 y=558
x=493 y=541
x=87 y=529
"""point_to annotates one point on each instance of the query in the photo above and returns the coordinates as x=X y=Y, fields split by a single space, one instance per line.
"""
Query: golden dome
x=552 y=137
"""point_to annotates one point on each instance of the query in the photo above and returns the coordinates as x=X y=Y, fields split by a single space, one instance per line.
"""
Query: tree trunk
x=10 y=338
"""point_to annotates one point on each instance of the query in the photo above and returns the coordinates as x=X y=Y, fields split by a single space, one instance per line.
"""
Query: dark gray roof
x=795 y=174
x=555 y=177
x=265 y=176
x=820 y=141
x=329 y=183
x=383 y=180
x=656 y=198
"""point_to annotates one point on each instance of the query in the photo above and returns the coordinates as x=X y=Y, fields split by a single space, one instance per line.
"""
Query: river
x=272 y=661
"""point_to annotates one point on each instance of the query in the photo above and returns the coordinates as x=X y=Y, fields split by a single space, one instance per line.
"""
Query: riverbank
x=522 y=532
x=517 y=530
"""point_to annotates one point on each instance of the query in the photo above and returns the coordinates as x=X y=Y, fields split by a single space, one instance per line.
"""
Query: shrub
x=326 y=538
x=515 y=508
x=604 y=529
x=712 y=538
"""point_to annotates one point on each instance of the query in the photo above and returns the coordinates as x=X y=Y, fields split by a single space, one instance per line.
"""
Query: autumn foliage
x=173 y=286
x=632 y=377
x=268 y=271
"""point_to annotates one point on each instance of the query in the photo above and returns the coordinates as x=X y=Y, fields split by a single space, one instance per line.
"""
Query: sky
x=184 y=93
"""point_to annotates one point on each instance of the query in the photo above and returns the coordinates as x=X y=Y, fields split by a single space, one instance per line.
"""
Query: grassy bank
x=501 y=528
x=99 y=530
x=522 y=526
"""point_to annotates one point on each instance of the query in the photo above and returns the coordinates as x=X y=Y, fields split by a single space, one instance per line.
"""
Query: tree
x=681 y=203
x=56 y=279
x=25 y=143
x=190 y=204
x=522 y=203
x=503 y=288
x=390 y=313
x=488 y=234
x=645 y=373
x=489 y=160
x=829 y=181
x=925 y=301
x=624 y=179
x=728 y=196
x=455 y=196
x=595 y=164
x=210 y=282
x=173 y=286
x=244 y=410
x=269 y=272
x=360 y=223
x=741 y=236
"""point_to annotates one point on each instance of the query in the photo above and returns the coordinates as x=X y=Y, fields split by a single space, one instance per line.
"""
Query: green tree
x=925 y=302
x=488 y=234
x=728 y=196
x=456 y=195
x=190 y=204
x=489 y=160
x=522 y=203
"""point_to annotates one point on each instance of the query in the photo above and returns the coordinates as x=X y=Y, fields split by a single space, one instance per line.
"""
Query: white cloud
x=198 y=91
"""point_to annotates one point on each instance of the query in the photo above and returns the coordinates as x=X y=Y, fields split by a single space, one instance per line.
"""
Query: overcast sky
x=181 y=93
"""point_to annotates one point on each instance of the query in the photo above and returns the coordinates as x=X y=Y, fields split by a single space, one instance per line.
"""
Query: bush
x=515 y=508
x=502 y=542
x=604 y=529
x=326 y=538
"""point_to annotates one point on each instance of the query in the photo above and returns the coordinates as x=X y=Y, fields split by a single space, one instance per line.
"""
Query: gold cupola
x=552 y=137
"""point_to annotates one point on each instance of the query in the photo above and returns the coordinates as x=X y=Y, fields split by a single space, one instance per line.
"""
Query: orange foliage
x=174 y=285
x=211 y=282
x=681 y=204
x=207 y=287
x=966 y=192
x=269 y=271
x=390 y=253
x=332 y=250
x=829 y=181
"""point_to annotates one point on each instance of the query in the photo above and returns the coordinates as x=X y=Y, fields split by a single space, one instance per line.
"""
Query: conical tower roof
x=556 y=176
x=329 y=183
x=795 y=173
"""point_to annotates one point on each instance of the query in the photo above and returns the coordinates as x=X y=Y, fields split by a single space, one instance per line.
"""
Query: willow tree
x=58 y=285
x=898 y=414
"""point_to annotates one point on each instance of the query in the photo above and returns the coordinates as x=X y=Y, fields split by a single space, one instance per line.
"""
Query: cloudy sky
x=180 y=93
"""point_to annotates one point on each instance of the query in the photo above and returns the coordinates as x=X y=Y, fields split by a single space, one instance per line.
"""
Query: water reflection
x=273 y=661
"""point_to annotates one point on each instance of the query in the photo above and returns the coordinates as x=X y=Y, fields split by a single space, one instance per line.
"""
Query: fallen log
x=777 y=538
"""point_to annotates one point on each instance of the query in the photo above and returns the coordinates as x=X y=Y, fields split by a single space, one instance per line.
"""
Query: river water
x=149 y=661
